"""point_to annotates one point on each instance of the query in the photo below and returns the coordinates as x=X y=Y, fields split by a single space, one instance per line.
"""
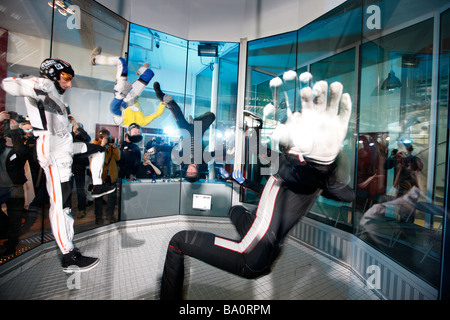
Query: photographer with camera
x=109 y=176
x=14 y=153
x=147 y=170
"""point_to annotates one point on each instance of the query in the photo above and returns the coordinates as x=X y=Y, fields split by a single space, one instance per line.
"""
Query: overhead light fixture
x=391 y=83
x=62 y=7
x=410 y=61
x=208 y=50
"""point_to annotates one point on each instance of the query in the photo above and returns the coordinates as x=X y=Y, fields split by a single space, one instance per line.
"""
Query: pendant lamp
x=391 y=82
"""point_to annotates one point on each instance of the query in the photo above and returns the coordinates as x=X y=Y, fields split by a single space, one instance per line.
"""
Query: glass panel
x=394 y=148
x=201 y=78
x=443 y=99
x=336 y=30
x=89 y=98
x=211 y=87
x=327 y=48
x=341 y=68
x=267 y=58
x=24 y=43
x=167 y=57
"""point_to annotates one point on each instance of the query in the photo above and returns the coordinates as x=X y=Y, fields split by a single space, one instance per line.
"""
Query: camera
x=13 y=115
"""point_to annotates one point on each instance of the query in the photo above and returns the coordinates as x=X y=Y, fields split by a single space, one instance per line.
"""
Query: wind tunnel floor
x=132 y=257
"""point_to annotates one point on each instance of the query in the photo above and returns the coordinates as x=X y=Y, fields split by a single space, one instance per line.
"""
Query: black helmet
x=52 y=68
x=137 y=137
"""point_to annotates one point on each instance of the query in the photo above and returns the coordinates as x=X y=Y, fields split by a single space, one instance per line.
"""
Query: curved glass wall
x=394 y=155
x=400 y=142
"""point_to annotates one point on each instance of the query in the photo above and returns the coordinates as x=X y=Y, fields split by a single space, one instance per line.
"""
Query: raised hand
x=319 y=129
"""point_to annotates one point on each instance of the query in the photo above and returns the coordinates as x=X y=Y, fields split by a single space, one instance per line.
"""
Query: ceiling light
x=208 y=50
x=63 y=8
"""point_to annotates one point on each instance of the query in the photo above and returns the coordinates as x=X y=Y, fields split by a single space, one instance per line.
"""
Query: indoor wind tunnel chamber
x=210 y=196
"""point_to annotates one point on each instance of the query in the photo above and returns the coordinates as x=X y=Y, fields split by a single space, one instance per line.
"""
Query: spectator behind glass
x=130 y=153
x=147 y=170
x=109 y=176
x=13 y=156
x=80 y=163
x=162 y=158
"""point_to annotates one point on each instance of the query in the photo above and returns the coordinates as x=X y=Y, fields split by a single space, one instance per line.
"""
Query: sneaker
x=102 y=189
x=95 y=53
x=75 y=261
x=82 y=214
x=159 y=94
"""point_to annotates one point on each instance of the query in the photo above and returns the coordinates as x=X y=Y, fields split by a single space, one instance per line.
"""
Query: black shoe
x=159 y=94
x=102 y=189
x=75 y=261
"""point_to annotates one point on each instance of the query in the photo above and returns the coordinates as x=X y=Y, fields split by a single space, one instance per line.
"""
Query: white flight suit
x=55 y=148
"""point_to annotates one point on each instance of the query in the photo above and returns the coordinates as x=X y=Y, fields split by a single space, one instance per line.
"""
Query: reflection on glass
x=339 y=67
x=268 y=58
x=442 y=112
x=394 y=207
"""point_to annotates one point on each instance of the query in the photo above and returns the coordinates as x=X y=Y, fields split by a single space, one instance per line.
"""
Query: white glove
x=318 y=131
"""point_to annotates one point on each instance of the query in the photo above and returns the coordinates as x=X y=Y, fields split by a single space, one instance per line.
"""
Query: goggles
x=66 y=76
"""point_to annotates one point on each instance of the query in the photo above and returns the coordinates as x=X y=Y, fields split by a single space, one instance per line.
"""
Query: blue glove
x=224 y=173
x=237 y=175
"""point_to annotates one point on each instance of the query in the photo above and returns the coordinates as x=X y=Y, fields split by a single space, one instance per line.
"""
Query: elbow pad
x=19 y=87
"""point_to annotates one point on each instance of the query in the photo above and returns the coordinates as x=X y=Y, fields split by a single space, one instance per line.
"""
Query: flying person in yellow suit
x=125 y=107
